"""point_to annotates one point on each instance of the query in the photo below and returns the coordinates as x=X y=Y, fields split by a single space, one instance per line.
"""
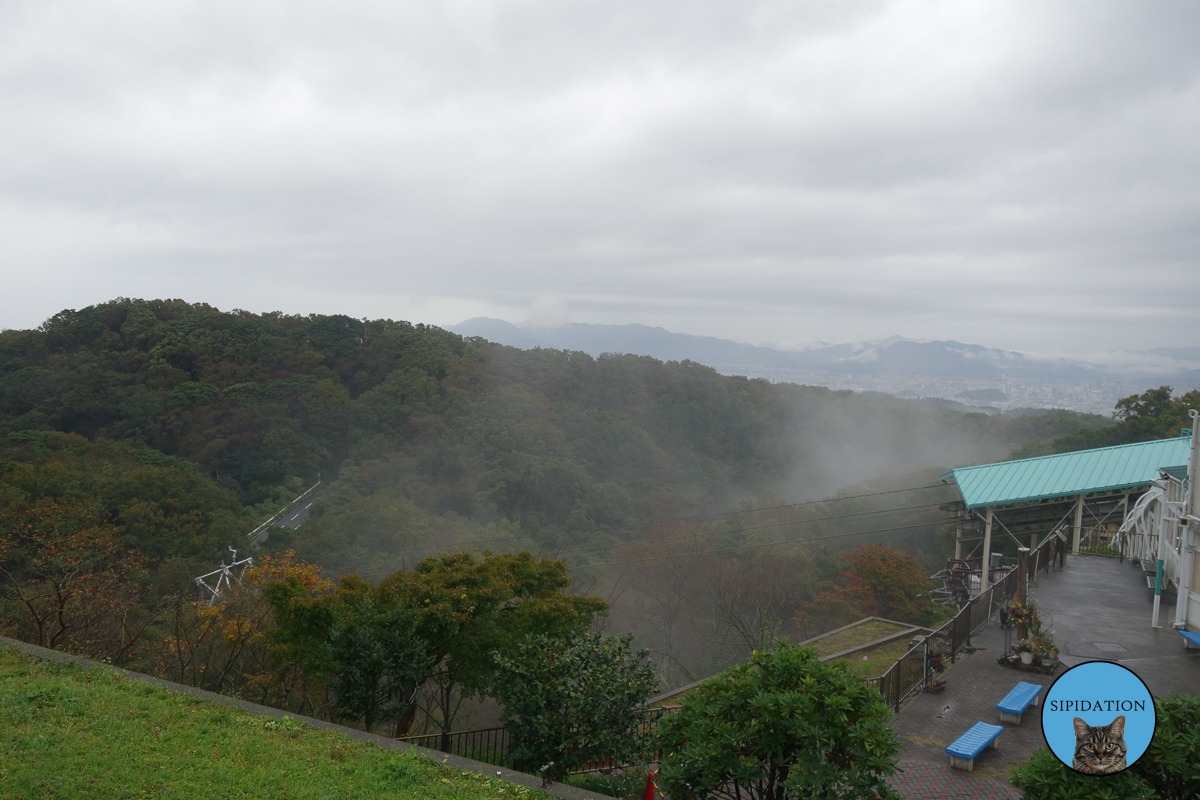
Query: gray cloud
x=1021 y=175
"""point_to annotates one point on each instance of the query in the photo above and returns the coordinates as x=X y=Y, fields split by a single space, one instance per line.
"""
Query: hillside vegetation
x=708 y=514
x=183 y=425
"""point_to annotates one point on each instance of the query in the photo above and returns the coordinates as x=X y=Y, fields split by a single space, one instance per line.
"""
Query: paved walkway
x=1093 y=601
x=1096 y=603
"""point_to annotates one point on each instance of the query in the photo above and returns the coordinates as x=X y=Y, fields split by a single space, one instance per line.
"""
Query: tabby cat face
x=1099 y=750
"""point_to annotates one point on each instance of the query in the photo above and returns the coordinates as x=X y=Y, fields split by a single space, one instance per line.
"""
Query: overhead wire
x=755 y=545
x=796 y=505
x=459 y=545
x=744 y=530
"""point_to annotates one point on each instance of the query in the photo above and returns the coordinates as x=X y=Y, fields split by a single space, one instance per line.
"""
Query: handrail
x=492 y=745
x=910 y=673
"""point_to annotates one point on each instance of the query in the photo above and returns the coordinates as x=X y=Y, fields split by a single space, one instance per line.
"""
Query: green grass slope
x=74 y=732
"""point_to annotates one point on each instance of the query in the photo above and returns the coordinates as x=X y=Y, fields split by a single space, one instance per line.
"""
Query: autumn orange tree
x=219 y=645
x=879 y=582
x=67 y=581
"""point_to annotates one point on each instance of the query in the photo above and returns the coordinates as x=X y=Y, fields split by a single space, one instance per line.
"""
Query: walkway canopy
x=1106 y=469
x=1089 y=490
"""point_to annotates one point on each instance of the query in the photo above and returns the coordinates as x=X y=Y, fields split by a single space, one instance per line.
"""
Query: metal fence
x=1053 y=549
x=490 y=745
x=911 y=672
x=494 y=745
x=648 y=750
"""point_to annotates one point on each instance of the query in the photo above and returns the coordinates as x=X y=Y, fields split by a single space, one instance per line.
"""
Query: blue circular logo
x=1098 y=718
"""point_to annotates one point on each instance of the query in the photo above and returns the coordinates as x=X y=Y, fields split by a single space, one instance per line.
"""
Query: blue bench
x=1190 y=636
x=972 y=743
x=1015 y=702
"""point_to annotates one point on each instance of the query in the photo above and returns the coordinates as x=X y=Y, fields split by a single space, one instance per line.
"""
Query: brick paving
x=928 y=723
x=928 y=781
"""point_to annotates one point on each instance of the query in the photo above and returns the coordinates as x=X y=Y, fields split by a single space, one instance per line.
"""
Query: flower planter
x=1026 y=658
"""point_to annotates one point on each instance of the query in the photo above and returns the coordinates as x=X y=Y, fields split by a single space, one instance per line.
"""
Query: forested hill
x=183 y=426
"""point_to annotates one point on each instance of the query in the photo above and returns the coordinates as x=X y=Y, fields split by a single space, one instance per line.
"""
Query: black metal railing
x=489 y=745
x=911 y=673
x=494 y=745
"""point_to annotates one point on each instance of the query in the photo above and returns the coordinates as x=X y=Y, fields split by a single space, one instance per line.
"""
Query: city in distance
x=965 y=373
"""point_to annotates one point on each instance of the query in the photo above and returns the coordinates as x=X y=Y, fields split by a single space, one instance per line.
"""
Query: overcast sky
x=1022 y=175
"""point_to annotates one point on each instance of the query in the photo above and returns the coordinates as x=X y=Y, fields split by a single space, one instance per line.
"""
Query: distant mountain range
x=895 y=356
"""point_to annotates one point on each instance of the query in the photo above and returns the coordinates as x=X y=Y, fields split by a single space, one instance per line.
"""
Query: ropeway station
x=1133 y=501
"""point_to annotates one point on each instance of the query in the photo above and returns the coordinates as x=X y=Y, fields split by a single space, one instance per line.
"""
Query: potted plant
x=1024 y=648
x=1033 y=620
x=1017 y=614
x=1046 y=652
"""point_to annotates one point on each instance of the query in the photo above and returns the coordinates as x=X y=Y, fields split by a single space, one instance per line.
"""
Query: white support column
x=1159 y=576
x=1187 y=543
x=984 y=576
x=1125 y=516
x=1078 y=526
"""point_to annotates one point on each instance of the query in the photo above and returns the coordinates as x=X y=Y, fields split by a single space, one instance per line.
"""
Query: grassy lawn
x=859 y=634
x=879 y=659
x=71 y=732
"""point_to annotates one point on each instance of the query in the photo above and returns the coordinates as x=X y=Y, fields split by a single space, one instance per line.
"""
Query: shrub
x=1171 y=765
x=1047 y=778
x=1169 y=769
x=784 y=725
x=574 y=700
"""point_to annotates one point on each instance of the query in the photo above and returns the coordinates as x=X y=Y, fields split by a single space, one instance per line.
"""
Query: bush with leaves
x=219 y=646
x=1047 y=778
x=1171 y=765
x=783 y=725
x=1169 y=769
x=573 y=700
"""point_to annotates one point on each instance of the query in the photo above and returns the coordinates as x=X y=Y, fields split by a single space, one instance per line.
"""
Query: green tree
x=784 y=725
x=1169 y=769
x=225 y=644
x=1153 y=414
x=469 y=608
x=1150 y=404
x=359 y=640
x=575 y=699
x=376 y=658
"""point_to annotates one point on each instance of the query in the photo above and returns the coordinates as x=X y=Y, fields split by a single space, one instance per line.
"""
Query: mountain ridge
x=893 y=356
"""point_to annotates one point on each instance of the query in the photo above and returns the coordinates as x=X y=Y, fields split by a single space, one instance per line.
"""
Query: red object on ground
x=649 y=793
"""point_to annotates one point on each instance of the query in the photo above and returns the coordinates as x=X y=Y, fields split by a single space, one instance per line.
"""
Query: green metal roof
x=1179 y=472
x=1067 y=474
